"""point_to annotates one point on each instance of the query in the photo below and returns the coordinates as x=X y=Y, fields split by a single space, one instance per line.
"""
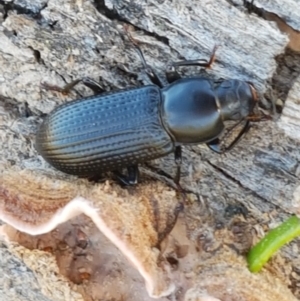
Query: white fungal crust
x=37 y=205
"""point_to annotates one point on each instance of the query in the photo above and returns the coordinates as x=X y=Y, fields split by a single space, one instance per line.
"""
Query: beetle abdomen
x=101 y=133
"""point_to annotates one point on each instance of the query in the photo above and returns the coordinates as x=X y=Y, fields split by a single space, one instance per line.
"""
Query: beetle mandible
x=107 y=132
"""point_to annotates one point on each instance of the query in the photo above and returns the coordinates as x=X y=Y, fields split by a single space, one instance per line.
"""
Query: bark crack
x=19 y=9
x=113 y=15
x=237 y=182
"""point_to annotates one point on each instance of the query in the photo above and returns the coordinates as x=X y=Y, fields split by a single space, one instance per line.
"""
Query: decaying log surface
x=289 y=13
x=243 y=193
x=19 y=282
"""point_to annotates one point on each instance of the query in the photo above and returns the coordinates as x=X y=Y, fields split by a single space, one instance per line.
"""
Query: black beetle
x=110 y=131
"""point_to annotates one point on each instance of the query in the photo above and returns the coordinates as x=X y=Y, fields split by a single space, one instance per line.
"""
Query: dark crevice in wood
x=113 y=15
x=19 y=9
x=37 y=56
x=109 y=13
x=267 y=15
x=237 y=182
x=288 y=70
x=53 y=24
x=252 y=8
x=153 y=34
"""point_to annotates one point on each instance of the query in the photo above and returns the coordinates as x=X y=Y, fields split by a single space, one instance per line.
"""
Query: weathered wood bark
x=57 y=41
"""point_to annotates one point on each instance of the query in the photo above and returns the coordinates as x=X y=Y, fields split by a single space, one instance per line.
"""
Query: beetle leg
x=148 y=69
x=214 y=145
x=244 y=130
x=200 y=62
x=133 y=174
x=131 y=178
x=178 y=160
x=172 y=74
x=93 y=85
x=90 y=83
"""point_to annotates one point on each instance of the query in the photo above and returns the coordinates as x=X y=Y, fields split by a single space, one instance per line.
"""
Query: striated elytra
x=110 y=131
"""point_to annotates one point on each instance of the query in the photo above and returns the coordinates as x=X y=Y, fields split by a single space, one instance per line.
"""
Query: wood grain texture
x=65 y=40
x=289 y=12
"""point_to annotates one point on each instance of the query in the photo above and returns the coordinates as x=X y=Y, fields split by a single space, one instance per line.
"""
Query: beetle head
x=236 y=99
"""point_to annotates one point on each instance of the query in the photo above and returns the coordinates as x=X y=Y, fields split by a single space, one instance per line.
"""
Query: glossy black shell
x=113 y=130
x=103 y=133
